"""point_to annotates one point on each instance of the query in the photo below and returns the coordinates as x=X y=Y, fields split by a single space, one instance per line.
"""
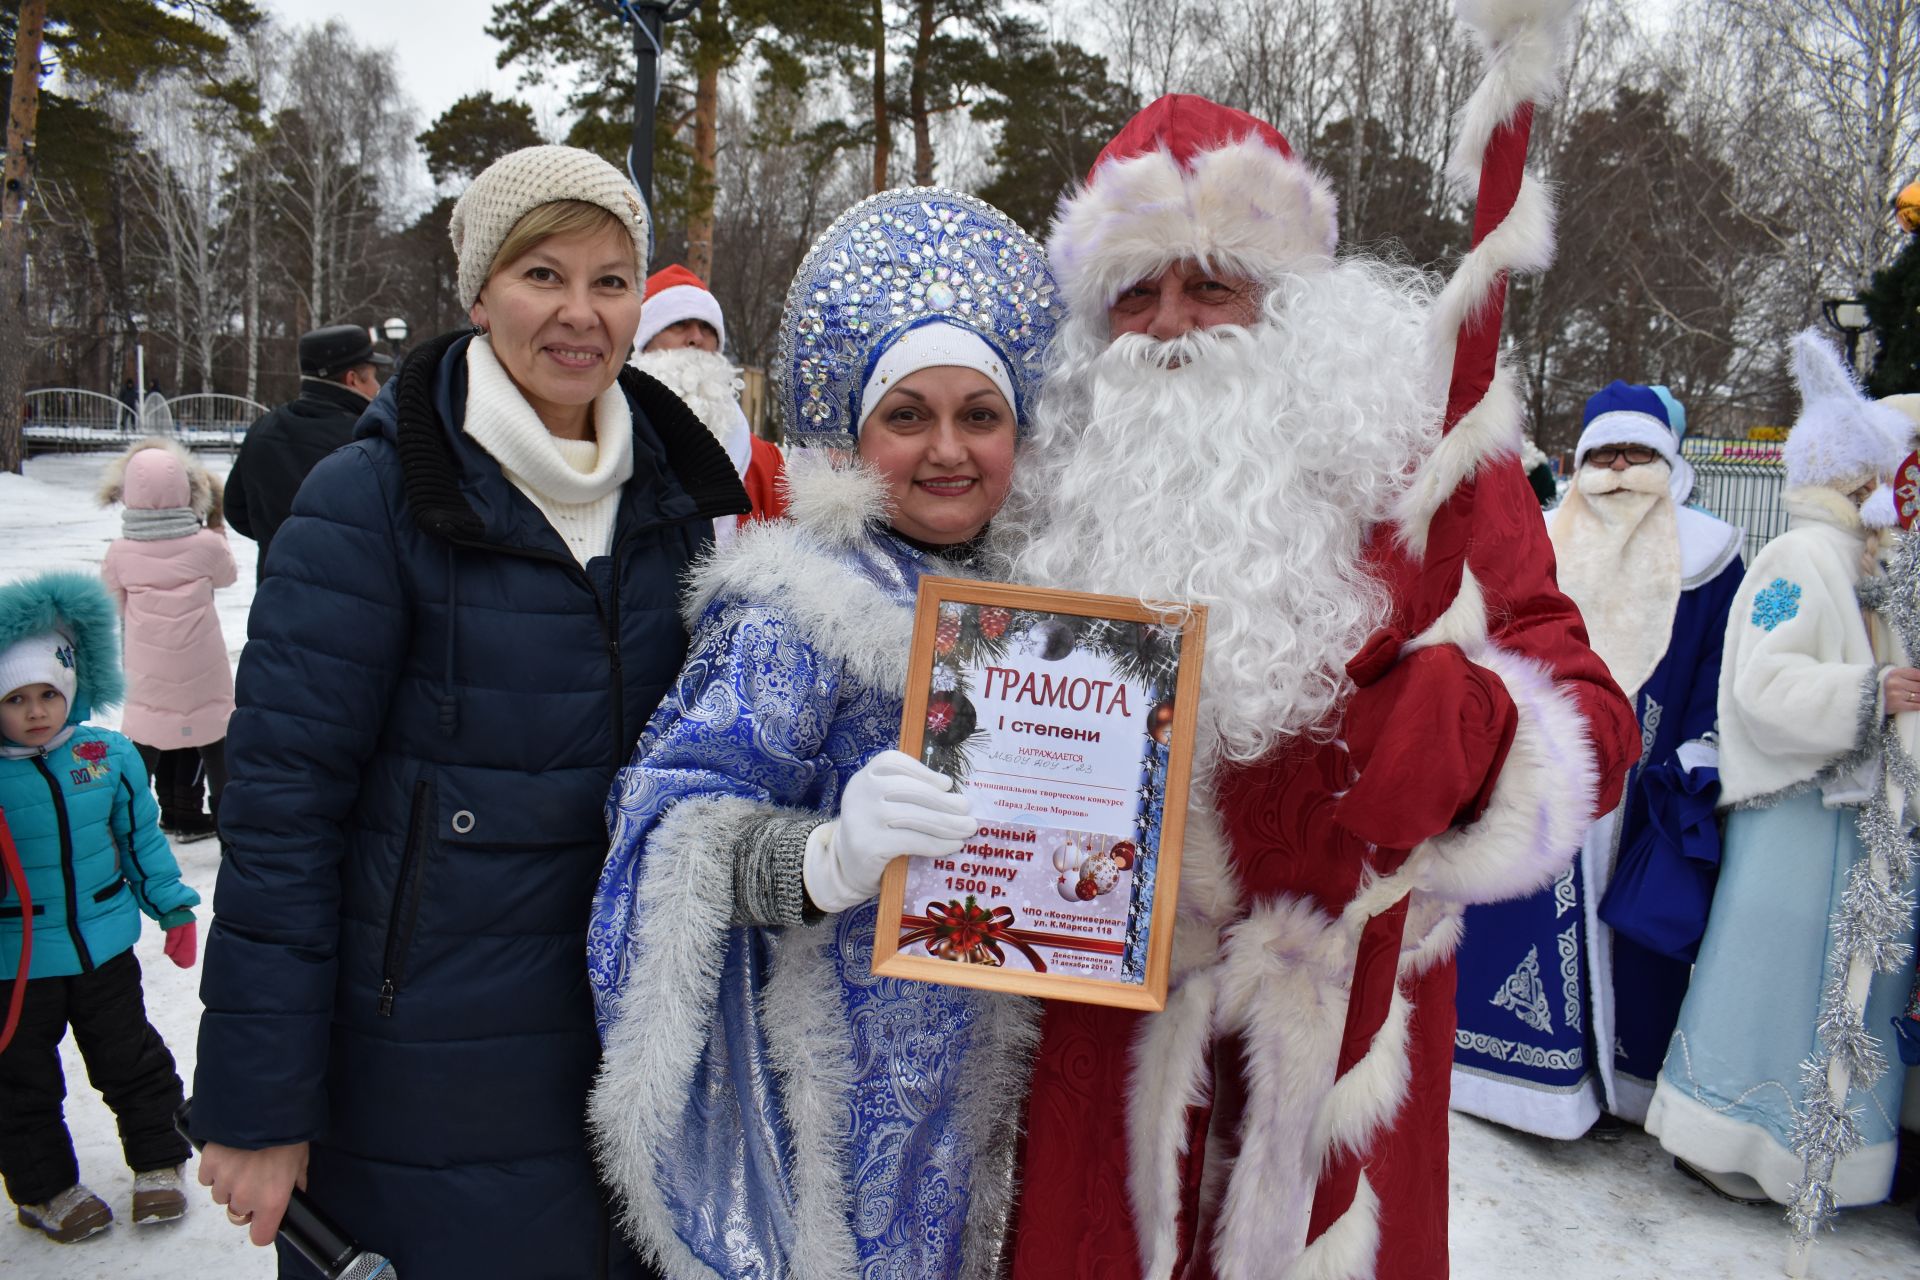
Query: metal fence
x=1740 y=481
x=68 y=418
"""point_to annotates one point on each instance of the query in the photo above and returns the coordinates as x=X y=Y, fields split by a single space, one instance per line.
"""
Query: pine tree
x=112 y=45
x=1893 y=309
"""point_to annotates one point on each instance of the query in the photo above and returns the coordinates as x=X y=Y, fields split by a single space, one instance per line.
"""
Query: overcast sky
x=444 y=53
x=441 y=47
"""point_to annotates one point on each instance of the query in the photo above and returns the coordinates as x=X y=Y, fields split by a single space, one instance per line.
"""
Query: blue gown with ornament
x=767 y=1106
x=1567 y=997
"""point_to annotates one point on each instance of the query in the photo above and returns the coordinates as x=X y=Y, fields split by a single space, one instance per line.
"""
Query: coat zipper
x=609 y=626
x=406 y=902
x=66 y=863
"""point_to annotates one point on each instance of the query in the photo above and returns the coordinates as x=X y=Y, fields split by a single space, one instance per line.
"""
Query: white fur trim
x=204 y=489
x=1210 y=896
x=928 y=346
x=1434 y=929
x=1708 y=545
x=670 y=306
x=810 y=1044
x=1347 y=1250
x=1463 y=624
x=1540 y=807
x=835 y=499
x=1283 y=981
x=794 y=565
x=1169 y=1050
x=1169 y=1075
x=1365 y=1099
x=1879 y=511
x=1521 y=41
x=1524 y=241
x=1244 y=208
x=1841 y=439
x=1485 y=433
x=650 y=1047
x=1006 y=1037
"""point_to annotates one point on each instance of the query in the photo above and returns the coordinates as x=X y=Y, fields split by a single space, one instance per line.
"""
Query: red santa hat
x=1189 y=178
x=675 y=294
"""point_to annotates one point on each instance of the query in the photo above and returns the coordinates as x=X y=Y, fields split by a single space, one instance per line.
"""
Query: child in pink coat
x=162 y=571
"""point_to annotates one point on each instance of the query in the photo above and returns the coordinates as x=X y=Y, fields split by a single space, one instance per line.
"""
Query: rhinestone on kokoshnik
x=896 y=260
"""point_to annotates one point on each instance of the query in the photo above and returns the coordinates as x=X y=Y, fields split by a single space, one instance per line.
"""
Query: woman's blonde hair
x=558 y=218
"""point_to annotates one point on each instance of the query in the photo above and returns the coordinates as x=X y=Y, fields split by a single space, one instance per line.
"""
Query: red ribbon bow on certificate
x=970 y=933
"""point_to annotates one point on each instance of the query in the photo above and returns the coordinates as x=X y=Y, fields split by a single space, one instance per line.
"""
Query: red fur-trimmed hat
x=675 y=294
x=1189 y=178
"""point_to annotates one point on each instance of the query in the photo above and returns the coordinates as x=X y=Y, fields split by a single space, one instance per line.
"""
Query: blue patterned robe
x=767 y=1106
x=1560 y=1012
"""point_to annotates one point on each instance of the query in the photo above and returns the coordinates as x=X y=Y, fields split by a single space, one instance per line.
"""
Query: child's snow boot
x=74 y=1214
x=157 y=1196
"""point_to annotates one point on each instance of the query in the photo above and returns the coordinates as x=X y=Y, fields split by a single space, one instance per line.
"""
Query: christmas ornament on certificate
x=1069 y=719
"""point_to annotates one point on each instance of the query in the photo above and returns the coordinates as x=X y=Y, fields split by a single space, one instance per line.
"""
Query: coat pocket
x=405 y=911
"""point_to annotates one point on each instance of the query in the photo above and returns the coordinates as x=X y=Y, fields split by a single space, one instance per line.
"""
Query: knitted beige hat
x=527 y=178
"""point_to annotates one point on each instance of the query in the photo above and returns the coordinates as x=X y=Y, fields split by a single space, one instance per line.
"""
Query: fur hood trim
x=1245 y=209
x=836 y=499
x=205 y=491
x=77 y=605
x=802 y=567
x=1818 y=504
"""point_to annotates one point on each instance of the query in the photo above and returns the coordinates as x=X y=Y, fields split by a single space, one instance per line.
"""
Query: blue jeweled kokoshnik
x=893 y=262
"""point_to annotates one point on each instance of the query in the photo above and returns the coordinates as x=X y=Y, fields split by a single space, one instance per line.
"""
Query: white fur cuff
x=1541 y=805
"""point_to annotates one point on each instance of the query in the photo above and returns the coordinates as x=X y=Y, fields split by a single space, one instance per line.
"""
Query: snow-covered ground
x=1522 y=1206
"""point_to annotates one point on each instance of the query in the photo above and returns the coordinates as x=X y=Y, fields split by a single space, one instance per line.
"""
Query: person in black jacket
x=340 y=373
x=472 y=611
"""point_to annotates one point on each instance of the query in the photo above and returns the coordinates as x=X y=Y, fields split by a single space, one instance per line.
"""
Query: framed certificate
x=1069 y=719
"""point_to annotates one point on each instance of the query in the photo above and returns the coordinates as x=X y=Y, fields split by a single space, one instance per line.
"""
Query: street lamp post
x=647 y=18
x=1849 y=316
x=395 y=331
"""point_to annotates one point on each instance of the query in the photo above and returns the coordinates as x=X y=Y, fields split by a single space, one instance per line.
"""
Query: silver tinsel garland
x=1869 y=929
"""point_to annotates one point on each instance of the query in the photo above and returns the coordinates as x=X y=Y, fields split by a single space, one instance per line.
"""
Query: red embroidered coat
x=1286 y=1114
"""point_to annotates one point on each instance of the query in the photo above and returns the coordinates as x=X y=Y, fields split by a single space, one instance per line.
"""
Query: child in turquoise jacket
x=75 y=801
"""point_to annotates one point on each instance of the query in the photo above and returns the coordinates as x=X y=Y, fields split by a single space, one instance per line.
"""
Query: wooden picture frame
x=1033 y=699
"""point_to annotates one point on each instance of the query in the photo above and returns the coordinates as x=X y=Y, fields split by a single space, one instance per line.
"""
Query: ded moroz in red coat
x=1286 y=1115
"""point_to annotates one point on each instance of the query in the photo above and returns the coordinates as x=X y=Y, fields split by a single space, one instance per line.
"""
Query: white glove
x=894 y=807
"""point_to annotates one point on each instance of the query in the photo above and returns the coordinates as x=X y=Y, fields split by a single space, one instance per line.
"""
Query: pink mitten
x=183 y=943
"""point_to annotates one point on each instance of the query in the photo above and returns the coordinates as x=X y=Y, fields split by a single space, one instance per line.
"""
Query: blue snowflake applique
x=1777 y=602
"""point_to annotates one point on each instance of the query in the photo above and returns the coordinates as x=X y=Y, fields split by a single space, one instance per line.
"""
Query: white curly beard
x=708 y=384
x=1243 y=469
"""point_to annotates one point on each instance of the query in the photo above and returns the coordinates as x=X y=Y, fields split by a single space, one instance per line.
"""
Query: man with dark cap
x=339 y=374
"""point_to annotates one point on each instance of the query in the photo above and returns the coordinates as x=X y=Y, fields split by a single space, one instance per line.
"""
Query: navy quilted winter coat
x=432 y=703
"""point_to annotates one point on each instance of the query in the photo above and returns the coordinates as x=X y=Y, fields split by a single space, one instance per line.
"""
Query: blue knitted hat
x=1627 y=413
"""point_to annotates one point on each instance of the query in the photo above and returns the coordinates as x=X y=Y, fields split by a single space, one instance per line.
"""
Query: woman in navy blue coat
x=463 y=626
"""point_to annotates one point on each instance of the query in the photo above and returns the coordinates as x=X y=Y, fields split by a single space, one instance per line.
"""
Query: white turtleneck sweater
x=575 y=483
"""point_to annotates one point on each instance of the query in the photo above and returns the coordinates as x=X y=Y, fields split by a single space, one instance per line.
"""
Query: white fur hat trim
x=1244 y=209
x=930 y=346
x=670 y=306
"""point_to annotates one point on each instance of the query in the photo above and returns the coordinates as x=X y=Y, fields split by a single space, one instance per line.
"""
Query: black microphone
x=313 y=1235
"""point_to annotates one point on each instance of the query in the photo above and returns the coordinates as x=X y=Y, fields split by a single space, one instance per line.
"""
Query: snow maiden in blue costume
x=1567 y=997
x=1806 y=683
x=767 y=1107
